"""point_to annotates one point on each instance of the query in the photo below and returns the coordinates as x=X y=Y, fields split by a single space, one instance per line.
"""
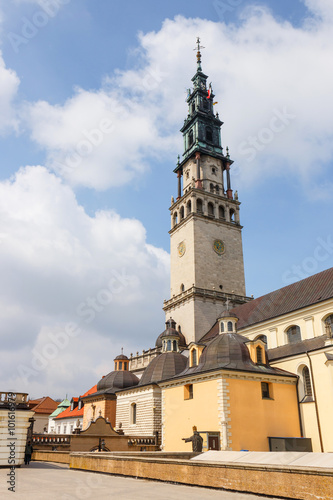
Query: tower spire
x=197 y=48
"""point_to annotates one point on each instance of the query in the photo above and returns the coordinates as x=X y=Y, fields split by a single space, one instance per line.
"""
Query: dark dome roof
x=121 y=356
x=117 y=380
x=228 y=314
x=164 y=366
x=171 y=331
x=227 y=350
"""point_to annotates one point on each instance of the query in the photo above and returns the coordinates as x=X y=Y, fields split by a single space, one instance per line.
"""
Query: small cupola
x=227 y=322
x=171 y=340
x=121 y=362
x=170 y=337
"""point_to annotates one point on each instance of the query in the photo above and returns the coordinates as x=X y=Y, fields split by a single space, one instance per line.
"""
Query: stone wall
x=301 y=483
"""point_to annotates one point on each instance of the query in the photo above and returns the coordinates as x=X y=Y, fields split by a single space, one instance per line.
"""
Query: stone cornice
x=212 y=295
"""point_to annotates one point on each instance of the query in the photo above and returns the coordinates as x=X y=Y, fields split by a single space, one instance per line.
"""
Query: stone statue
x=196 y=441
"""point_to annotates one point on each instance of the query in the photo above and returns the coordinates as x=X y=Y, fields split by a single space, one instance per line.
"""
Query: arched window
x=199 y=205
x=217 y=189
x=205 y=103
x=230 y=326
x=210 y=209
x=194 y=357
x=222 y=327
x=232 y=215
x=211 y=188
x=175 y=218
x=175 y=347
x=329 y=325
x=209 y=134
x=294 y=334
x=259 y=355
x=189 y=207
x=182 y=287
x=193 y=107
x=169 y=345
x=182 y=213
x=306 y=382
x=190 y=138
x=133 y=414
x=221 y=212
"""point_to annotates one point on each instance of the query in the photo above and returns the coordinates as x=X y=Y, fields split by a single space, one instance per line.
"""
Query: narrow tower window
x=193 y=107
x=230 y=326
x=210 y=209
x=182 y=213
x=189 y=207
x=199 y=205
x=175 y=218
x=211 y=188
x=209 y=134
x=190 y=138
x=221 y=212
x=232 y=216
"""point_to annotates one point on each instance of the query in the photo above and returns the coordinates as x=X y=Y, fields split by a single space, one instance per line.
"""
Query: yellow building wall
x=179 y=415
x=323 y=384
x=253 y=419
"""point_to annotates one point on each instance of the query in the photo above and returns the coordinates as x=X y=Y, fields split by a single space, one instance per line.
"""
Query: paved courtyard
x=46 y=481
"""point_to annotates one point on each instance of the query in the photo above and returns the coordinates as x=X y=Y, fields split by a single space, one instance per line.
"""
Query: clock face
x=181 y=249
x=218 y=247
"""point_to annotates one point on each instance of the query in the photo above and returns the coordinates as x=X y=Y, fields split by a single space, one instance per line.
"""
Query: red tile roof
x=44 y=405
x=296 y=296
x=75 y=413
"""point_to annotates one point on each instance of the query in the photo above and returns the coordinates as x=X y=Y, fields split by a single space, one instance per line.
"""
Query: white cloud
x=8 y=90
x=59 y=266
x=260 y=68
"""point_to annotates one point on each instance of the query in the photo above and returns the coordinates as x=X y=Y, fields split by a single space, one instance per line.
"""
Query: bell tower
x=207 y=269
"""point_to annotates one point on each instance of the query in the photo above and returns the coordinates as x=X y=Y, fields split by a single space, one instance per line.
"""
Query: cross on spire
x=197 y=48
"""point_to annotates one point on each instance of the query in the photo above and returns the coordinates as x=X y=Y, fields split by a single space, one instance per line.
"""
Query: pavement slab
x=48 y=481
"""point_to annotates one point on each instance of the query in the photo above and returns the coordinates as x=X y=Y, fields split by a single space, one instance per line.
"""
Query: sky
x=92 y=97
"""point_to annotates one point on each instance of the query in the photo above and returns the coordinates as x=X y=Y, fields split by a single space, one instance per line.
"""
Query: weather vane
x=197 y=48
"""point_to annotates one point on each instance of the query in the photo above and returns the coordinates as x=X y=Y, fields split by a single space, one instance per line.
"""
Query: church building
x=243 y=371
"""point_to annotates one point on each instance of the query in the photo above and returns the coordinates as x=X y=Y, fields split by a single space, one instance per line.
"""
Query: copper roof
x=288 y=350
x=299 y=295
x=229 y=351
x=164 y=366
x=116 y=380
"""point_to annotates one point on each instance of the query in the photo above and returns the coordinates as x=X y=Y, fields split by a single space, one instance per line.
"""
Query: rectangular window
x=188 y=391
x=266 y=390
